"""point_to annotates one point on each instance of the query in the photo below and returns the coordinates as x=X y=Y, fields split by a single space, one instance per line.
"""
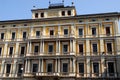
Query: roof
x=85 y=16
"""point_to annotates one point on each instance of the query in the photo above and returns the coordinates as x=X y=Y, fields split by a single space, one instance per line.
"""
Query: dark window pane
x=8 y=68
x=24 y=35
x=109 y=47
x=36 y=15
x=81 y=67
x=49 y=67
x=50 y=48
x=110 y=67
x=51 y=32
x=11 y=51
x=93 y=31
x=22 y=50
x=65 y=48
x=36 y=49
x=65 y=67
x=20 y=68
x=2 y=35
x=69 y=12
x=94 y=47
x=108 y=30
x=37 y=33
x=13 y=35
x=65 y=31
x=80 y=47
x=0 y=51
x=35 y=68
x=80 y=32
x=96 y=67
x=63 y=13
x=42 y=14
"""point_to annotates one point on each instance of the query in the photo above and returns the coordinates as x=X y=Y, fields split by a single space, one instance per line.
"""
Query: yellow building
x=58 y=44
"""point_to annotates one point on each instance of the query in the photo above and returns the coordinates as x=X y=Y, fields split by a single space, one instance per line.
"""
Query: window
x=65 y=31
x=50 y=48
x=95 y=67
x=37 y=33
x=8 y=68
x=93 y=31
x=35 y=68
x=51 y=32
x=22 y=50
x=19 y=68
x=65 y=67
x=36 y=49
x=69 y=12
x=94 y=47
x=36 y=15
x=42 y=14
x=65 y=48
x=0 y=50
x=81 y=48
x=109 y=47
x=24 y=35
x=80 y=32
x=63 y=13
x=81 y=67
x=13 y=35
x=2 y=35
x=11 y=51
x=49 y=67
x=107 y=30
x=110 y=67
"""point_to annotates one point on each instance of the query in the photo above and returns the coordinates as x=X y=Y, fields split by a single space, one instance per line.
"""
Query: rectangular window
x=8 y=68
x=69 y=12
x=11 y=51
x=81 y=67
x=80 y=32
x=65 y=48
x=94 y=47
x=37 y=33
x=42 y=14
x=2 y=35
x=20 y=68
x=65 y=31
x=51 y=32
x=65 y=67
x=35 y=68
x=0 y=51
x=49 y=67
x=50 y=48
x=22 y=50
x=24 y=35
x=93 y=31
x=107 y=30
x=95 y=67
x=13 y=35
x=81 y=48
x=109 y=47
x=36 y=15
x=110 y=67
x=63 y=13
x=36 y=49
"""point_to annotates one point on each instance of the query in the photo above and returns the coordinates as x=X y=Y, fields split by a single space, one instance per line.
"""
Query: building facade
x=58 y=44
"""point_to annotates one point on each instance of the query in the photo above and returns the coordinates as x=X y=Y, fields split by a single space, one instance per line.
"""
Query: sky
x=21 y=9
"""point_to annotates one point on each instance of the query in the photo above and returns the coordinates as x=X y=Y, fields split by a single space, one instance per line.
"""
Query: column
x=42 y=66
x=74 y=46
x=11 y=69
x=39 y=66
x=14 y=71
x=26 y=64
x=100 y=30
x=43 y=31
x=59 y=66
x=72 y=29
x=17 y=50
x=31 y=31
x=71 y=50
x=58 y=30
x=88 y=67
x=56 y=66
x=28 y=45
x=43 y=47
x=29 y=66
x=87 y=47
x=71 y=65
x=74 y=65
x=2 y=68
x=5 y=50
x=103 y=66
x=59 y=47
x=102 y=47
x=30 y=48
x=40 y=46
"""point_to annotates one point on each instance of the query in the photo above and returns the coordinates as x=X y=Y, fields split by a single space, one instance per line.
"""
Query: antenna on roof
x=49 y=2
x=72 y=3
x=34 y=6
x=62 y=1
